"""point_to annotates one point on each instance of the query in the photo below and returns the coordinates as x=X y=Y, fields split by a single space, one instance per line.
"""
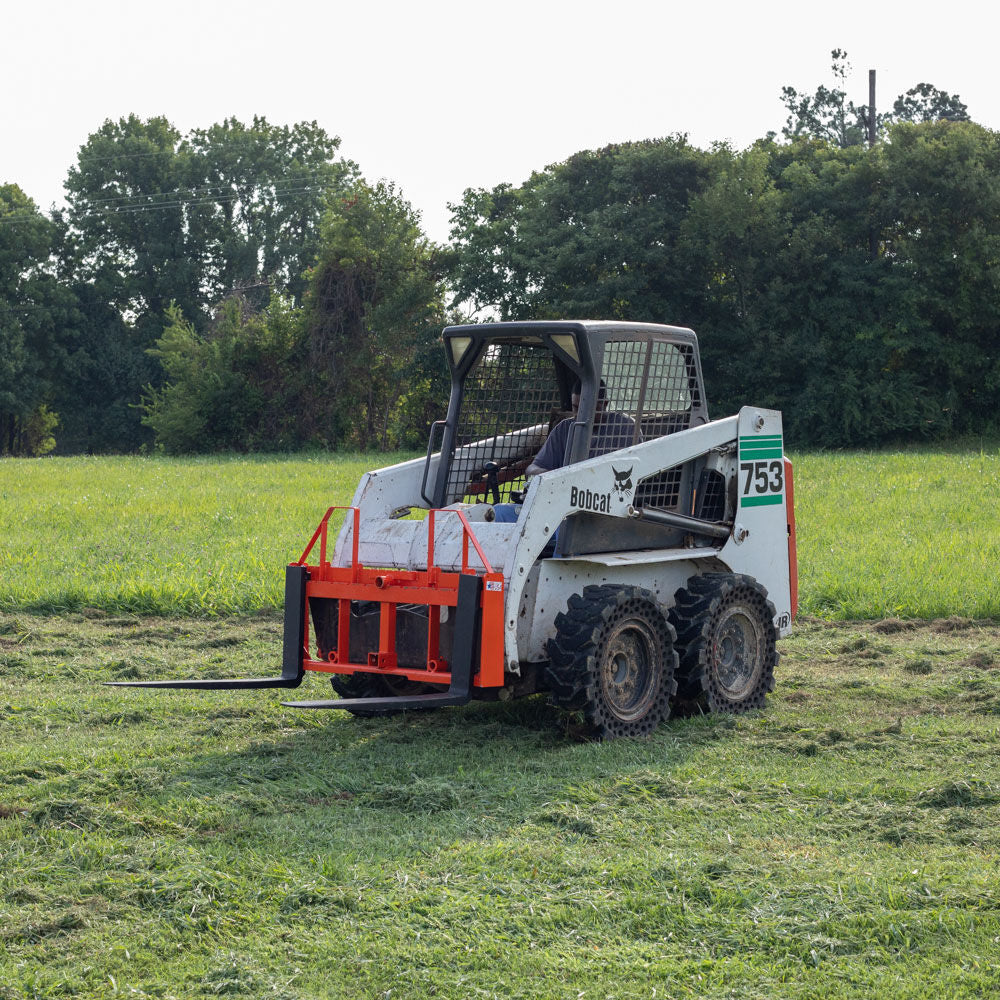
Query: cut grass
x=843 y=843
x=909 y=534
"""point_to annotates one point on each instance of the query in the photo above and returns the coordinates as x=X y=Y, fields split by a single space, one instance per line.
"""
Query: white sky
x=441 y=95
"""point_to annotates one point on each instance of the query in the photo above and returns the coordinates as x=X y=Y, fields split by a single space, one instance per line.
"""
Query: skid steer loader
x=650 y=570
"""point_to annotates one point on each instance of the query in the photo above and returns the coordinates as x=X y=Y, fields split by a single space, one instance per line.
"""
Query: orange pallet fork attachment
x=477 y=600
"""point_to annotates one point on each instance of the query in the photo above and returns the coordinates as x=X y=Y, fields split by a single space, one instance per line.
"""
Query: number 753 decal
x=765 y=477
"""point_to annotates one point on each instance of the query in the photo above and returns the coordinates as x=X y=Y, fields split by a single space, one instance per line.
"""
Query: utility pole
x=871 y=108
x=872 y=234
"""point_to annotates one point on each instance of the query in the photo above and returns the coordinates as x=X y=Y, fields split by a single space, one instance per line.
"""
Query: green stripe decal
x=765 y=501
x=761 y=447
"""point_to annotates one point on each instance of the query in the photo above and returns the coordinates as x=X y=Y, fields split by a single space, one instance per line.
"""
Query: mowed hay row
x=841 y=843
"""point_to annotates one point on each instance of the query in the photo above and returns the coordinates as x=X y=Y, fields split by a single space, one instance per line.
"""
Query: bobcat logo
x=623 y=483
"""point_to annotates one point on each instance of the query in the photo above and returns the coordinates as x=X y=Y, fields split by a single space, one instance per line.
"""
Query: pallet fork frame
x=478 y=600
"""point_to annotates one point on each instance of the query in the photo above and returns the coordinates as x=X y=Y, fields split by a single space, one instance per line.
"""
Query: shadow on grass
x=483 y=767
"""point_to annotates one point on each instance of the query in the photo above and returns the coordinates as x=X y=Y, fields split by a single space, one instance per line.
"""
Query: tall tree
x=375 y=299
x=127 y=198
x=162 y=223
x=942 y=196
x=830 y=115
x=351 y=367
x=595 y=235
x=37 y=320
x=256 y=197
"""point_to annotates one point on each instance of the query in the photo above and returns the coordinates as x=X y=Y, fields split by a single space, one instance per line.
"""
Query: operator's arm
x=553 y=452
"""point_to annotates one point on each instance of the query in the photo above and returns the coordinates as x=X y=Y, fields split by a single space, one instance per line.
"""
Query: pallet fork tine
x=291 y=660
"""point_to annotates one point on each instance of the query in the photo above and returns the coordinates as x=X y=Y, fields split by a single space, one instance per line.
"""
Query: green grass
x=841 y=844
x=885 y=534
x=909 y=534
x=161 y=535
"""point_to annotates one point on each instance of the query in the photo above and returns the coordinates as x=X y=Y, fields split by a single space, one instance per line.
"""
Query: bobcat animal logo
x=623 y=483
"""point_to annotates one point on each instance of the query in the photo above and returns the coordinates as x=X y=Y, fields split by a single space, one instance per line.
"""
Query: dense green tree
x=351 y=367
x=232 y=387
x=38 y=317
x=942 y=200
x=157 y=221
x=127 y=199
x=856 y=289
x=925 y=103
x=594 y=236
x=484 y=262
x=257 y=194
x=375 y=300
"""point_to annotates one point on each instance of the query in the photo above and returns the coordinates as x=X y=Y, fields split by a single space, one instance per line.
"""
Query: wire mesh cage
x=515 y=393
x=649 y=383
x=510 y=398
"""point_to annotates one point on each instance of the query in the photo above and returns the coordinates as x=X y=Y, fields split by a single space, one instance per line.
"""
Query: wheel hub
x=628 y=671
x=738 y=651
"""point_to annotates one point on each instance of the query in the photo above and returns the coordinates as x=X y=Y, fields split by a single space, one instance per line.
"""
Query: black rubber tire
x=726 y=640
x=363 y=685
x=613 y=660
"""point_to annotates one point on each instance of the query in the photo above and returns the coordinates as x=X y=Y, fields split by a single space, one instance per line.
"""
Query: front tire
x=613 y=659
x=726 y=637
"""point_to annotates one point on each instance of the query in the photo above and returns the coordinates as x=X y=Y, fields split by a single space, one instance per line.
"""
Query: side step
x=467 y=625
x=291 y=652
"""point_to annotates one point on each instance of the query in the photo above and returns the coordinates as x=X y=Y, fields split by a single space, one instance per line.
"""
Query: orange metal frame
x=434 y=588
x=793 y=559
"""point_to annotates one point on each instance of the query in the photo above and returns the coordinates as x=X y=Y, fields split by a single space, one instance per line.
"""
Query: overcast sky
x=440 y=95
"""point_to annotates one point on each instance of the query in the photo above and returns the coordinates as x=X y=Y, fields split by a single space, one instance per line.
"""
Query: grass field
x=912 y=534
x=844 y=843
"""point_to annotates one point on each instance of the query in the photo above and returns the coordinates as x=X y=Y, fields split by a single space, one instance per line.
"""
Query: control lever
x=492 y=470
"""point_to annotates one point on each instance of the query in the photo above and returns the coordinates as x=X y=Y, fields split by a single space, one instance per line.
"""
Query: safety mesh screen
x=510 y=396
x=710 y=503
x=648 y=382
x=661 y=490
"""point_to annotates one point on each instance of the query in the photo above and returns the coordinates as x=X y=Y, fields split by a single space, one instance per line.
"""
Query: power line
x=131 y=207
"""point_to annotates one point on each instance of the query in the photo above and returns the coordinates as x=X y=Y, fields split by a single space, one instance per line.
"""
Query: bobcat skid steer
x=650 y=570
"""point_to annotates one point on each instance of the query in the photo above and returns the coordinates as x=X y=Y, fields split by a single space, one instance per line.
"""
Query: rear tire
x=613 y=660
x=726 y=638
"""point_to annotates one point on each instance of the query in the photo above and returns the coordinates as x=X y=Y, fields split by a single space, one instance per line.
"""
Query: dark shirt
x=611 y=432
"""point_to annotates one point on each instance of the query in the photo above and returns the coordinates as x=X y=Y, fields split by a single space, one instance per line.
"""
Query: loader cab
x=512 y=385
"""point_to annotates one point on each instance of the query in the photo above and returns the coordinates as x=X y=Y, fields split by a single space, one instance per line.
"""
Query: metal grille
x=510 y=397
x=649 y=383
x=661 y=490
x=710 y=503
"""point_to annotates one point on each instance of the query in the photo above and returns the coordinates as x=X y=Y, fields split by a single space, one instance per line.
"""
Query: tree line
x=243 y=287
